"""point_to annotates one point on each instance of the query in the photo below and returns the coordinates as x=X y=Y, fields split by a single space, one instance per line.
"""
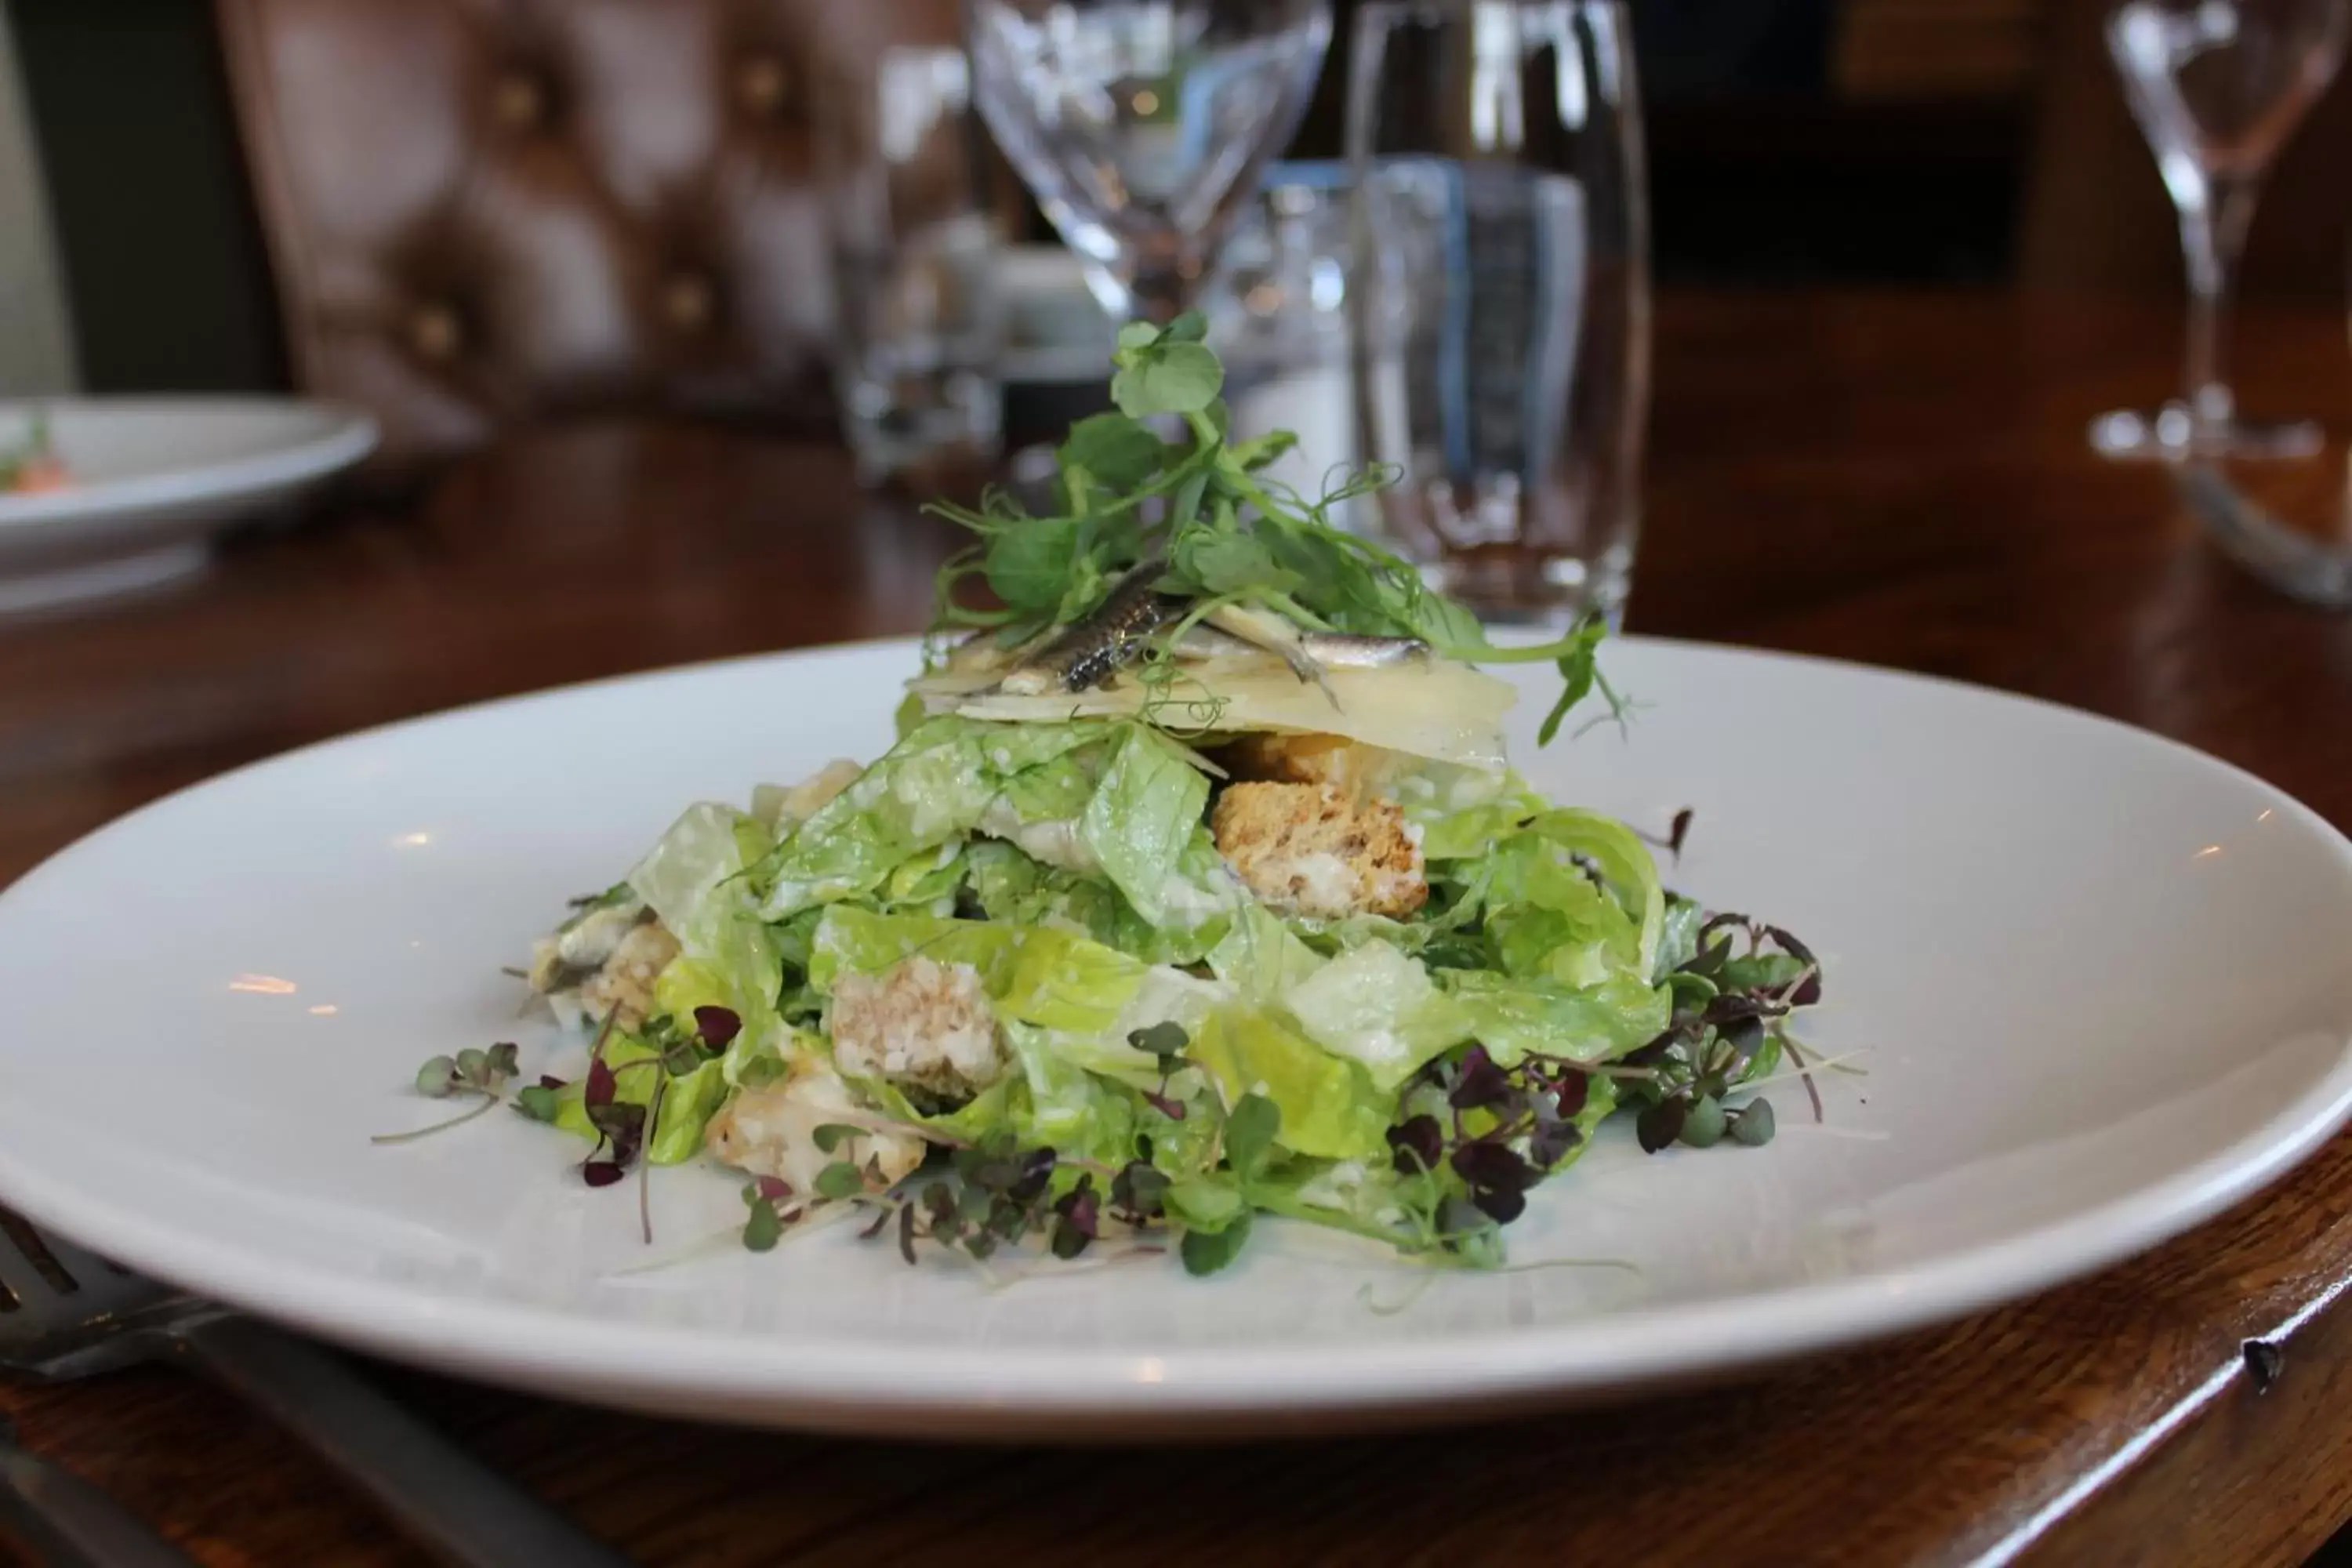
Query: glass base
x=2173 y=433
x=904 y=429
x=1539 y=592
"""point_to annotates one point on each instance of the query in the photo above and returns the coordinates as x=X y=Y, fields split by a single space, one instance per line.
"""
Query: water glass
x=1278 y=318
x=1501 y=302
x=920 y=316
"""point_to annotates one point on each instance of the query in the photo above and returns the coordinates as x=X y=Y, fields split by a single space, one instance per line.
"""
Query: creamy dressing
x=1055 y=843
x=1326 y=882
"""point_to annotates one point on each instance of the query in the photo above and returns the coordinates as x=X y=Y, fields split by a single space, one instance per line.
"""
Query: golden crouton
x=1349 y=765
x=626 y=984
x=923 y=1026
x=1309 y=849
x=789 y=805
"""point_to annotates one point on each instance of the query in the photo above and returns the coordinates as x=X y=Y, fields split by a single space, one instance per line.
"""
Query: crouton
x=1274 y=757
x=772 y=1132
x=922 y=1026
x=625 y=985
x=583 y=945
x=780 y=806
x=1309 y=849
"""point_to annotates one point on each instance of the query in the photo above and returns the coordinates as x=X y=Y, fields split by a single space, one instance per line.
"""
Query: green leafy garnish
x=1196 y=507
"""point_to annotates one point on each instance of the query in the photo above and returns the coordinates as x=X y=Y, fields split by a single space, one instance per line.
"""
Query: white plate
x=2099 y=982
x=154 y=478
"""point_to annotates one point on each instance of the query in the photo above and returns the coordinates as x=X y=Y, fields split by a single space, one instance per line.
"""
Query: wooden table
x=1900 y=480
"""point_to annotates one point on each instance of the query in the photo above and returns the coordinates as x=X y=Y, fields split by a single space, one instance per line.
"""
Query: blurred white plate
x=152 y=479
x=2099 y=982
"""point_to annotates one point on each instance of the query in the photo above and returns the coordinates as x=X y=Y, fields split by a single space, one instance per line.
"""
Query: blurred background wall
x=36 y=341
x=1895 y=141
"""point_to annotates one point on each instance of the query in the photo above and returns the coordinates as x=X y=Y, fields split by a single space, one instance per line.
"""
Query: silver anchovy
x=1091 y=651
x=1343 y=650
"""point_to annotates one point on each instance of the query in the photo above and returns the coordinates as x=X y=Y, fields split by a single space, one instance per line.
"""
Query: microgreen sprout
x=1200 y=508
x=471 y=1072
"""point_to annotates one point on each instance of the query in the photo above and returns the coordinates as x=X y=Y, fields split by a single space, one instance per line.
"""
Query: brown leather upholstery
x=486 y=211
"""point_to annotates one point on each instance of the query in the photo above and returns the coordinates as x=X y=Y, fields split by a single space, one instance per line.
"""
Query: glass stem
x=1158 y=294
x=2212 y=238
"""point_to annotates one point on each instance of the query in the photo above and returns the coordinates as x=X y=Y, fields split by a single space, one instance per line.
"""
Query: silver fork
x=65 y=1313
x=66 y=1523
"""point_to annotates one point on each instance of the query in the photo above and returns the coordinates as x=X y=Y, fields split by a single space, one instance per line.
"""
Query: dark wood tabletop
x=1889 y=477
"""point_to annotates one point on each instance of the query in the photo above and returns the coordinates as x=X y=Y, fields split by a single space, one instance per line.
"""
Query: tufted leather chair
x=481 y=212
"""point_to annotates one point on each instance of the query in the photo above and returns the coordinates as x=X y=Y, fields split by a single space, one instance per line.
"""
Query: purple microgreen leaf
x=1550 y=1144
x=598 y=1090
x=1571 y=1092
x=1492 y=1165
x=1481 y=1083
x=1419 y=1142
x=1501 y=1204
x=718 y=1027
x=1034 y=1170
x=1659 y=1125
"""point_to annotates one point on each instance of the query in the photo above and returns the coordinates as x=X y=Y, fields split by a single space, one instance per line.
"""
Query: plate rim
x=878 y=1385
x=352 y=437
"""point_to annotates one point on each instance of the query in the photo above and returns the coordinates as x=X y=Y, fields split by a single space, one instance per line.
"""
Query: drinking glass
x=919 y=321
x=1502 y=305
x=2217 y=86
x=1278 y=318
x=1141 y=125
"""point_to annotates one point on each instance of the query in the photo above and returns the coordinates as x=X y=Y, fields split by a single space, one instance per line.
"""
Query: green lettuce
x=1261 y=957
x=688 y=1105
x=1329 y=1104
x=694 y=881
x=863 y=941
x=930 y=788
x=1572 y=898
x=1068 y=1109
x=1378 y=1009
x=1514 y=1018
x=1142 y=818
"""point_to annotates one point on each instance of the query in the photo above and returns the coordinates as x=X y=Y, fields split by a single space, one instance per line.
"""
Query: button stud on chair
x=763 y=85
x=687 y=302
x=434 y=333
x=518 y=99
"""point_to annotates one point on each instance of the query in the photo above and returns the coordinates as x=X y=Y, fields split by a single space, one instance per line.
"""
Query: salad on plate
x=1197 y=890
x=31 y=466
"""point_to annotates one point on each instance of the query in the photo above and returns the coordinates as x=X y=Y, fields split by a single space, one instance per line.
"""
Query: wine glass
x=1141 y=125
x=2216 y=87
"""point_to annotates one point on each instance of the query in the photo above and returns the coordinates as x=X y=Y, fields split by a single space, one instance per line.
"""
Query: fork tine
x=54 y=1274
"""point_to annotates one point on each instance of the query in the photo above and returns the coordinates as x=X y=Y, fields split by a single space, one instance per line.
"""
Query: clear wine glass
x=1141 y=125
x=2217 y=85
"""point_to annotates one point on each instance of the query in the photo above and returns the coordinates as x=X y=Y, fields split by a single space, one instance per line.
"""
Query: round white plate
x=153 y=479
x=2099 y=984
